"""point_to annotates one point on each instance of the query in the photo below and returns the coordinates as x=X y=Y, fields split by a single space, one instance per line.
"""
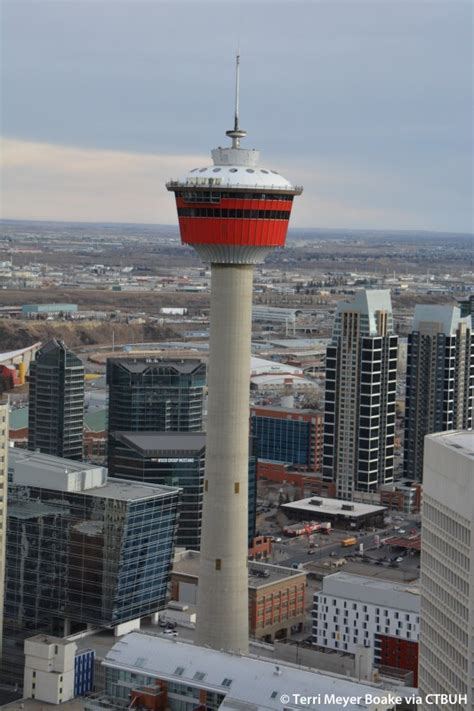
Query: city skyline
x=95 y=121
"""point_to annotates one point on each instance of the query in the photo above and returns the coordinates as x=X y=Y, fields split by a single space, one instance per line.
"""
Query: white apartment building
x=447 y=570
x=353 y=610
x=359 y=409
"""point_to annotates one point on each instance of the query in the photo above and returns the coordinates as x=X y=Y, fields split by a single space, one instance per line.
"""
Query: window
x=227 y=683
x=199 y=676
x=179 y=671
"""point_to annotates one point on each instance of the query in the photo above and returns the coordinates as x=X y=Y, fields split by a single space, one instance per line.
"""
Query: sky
x=369 y=105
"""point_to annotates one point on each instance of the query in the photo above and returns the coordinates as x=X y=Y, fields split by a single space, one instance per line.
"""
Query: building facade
x=440 y=379
x=155 y=394
x=359 y=417
x=447 y=573
x=277 y=595
x=56 y=402
x=171 y=459
x=288 y=435
x=4 y=428
x=174 y=459
x=82 y=549
x=352 y=611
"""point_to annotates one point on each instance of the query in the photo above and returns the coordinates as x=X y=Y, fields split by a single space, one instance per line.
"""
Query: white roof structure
x=48 y=472
x=248 y=683
x=382 y=593
x=333 y=507
x=367 y=303
x=261 y=366
x=236 y=175
x=446 y=318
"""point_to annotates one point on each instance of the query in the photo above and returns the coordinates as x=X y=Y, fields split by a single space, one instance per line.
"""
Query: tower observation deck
x=233 y=213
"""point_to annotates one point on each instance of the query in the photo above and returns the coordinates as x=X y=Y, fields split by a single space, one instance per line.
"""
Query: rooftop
x=447 y=318
x=54 y=473
x=373 y=590
x=288 y=410
x=246 y=681
x=463 y=440
x=140 y=365
x=260 y=574
x=333 y=507
x=154 y=443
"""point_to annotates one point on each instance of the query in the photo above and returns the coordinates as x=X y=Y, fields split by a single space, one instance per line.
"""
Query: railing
x=211 y=183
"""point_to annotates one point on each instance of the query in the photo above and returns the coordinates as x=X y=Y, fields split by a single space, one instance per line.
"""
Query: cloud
x=50 y=182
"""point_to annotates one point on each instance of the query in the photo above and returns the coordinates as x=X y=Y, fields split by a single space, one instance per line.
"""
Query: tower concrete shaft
x=222 y=610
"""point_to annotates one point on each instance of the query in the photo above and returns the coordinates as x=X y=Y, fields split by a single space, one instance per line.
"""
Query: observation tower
x=233 y=213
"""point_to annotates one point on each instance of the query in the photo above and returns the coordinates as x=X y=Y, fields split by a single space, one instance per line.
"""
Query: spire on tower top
x=237 y=133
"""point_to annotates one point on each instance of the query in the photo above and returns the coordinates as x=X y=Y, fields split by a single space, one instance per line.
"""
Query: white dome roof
x=237 y=175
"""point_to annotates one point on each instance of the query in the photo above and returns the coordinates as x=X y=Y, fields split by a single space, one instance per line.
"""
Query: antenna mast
x=237 y=133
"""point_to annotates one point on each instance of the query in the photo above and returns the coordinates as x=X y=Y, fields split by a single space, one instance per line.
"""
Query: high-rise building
x=286 y=434
x=467 y=305
x=56 y=394
x=166 y=458
x=233 y=213
x=4 y=413
x=81 y=550
x=174 y=459
x=440 y=379
x=359 y=417
x=154 y=395
x=446 y=659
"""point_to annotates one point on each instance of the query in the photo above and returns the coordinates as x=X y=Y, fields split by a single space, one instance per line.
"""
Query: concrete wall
x=308 y=657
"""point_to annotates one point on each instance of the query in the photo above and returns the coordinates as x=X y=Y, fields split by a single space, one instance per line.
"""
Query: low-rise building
x=353 y=610
x=340 y=513
x=276 y=595
x=157 y=673
x=403 y=495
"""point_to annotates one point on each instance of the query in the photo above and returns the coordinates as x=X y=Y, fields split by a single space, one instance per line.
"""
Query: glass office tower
x=175 y=459
x=56 y=402
x=82 y=549
x=155 y=394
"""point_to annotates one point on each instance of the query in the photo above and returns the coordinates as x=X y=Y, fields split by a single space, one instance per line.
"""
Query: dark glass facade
x=56 y=402
x=175 y=459
x=169 y=459
x=439 y=390
x=87 y=557
x=252 y=489
x=282 y=440
x=152 y=394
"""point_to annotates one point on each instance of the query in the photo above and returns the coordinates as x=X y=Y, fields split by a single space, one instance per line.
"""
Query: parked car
x=170 y=633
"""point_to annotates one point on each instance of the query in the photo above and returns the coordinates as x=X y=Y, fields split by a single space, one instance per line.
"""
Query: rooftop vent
x=348 y=507
x=316 y=502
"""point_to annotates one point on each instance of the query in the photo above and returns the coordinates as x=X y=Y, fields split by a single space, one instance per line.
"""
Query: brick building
x=276 y=595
